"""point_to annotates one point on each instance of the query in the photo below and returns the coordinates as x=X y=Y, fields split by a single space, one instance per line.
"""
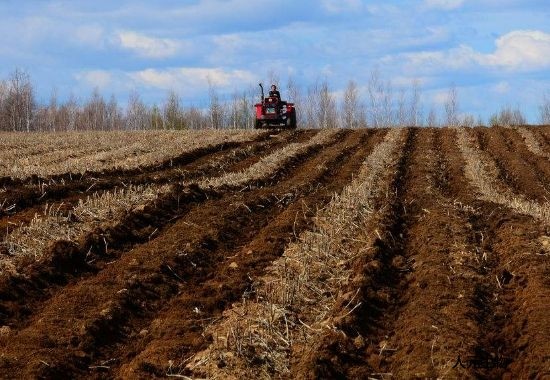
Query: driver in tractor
x=275 y=93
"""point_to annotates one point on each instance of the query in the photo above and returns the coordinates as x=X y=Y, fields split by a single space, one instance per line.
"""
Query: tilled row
x=447 y=283
x=454 y=287
x=285 y=309
x=98 y=309
x=107 y=237
x=524 y=172
x=20 y=201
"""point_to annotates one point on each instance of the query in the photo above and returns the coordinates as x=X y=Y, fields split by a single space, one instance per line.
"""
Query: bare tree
x=375 y=88
x=432 y=118
x=216 y=109
x=381 y=101
x=172 y=112
x=468 y=121
x=52 y=112
x=137 y=116
x=451 y=107
x=294 y=95
x=326 y=107
x=415 y=110
x=156 y=119
x=114 y=115
x=508 y=117
x=402 y=118
x=351 y=107
x=196 y=119
x=544 y=110
x=4 y=114
x=20 y=102
x=94 y=113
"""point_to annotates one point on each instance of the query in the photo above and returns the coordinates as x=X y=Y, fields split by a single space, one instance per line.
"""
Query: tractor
x=274 y=113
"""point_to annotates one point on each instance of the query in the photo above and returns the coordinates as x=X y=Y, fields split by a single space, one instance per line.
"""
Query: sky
x=495 y=52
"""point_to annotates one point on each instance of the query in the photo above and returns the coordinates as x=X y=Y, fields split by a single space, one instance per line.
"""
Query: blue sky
x=496 y=52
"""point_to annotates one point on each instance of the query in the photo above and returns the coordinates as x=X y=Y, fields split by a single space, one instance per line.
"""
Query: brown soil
x=28 y=199
x=508 y=150
x=429 y=289
x=450 y=275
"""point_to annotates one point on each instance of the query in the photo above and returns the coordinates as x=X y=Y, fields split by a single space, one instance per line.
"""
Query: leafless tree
x=216 y=109
x=544 y=110
x=115 y=116
x=375 y=88
x=468 y=121
x=415 y=110
x=352 y=108
x=95 y=112
x=432 y=118
x=326 y=107
x=381 y=101
x=156 y=119
x=402 y=118
x=507 y=116
x=294 y=95
x=196 y=119
x=20 y=102
x=137 y=116
x=451 y=107
x=172 y=112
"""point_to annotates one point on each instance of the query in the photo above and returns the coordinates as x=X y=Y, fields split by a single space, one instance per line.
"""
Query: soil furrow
x=174 y=333
x=67 y=262
x=512 y=299
x=95 y=316
x=352 y=350
x=538 y=165
x=24 y=200
x=514 y=171
x=543 y=134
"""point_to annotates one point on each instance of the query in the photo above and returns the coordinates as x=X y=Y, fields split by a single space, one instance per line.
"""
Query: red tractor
x=274 y=113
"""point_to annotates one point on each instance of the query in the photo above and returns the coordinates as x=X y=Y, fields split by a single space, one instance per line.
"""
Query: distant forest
x=317 y=107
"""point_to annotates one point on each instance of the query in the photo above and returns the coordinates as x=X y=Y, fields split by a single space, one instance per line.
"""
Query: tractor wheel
x=258 y=124
x=291 y=121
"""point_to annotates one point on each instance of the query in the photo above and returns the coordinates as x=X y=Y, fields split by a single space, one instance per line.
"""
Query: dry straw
x=530 y=140
x=31 y=241
x=482 y=172
x=293 y=303
x=269 y=164
x=47 y=154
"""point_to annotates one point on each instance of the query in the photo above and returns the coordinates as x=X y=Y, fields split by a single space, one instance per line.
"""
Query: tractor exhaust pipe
x=262 y=88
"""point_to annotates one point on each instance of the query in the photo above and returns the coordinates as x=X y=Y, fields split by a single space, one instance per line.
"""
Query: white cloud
x=444 y=4
x=148 y=46
x=193 y=78
x=521 y=50
x=95 y=78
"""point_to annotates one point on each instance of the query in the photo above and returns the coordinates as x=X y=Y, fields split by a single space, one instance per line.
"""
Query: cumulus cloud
x=521 y=50
x=192 y=78
x=444 y=4
x=148 y=46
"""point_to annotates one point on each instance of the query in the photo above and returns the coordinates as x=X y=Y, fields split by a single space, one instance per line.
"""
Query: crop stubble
x=447 y=264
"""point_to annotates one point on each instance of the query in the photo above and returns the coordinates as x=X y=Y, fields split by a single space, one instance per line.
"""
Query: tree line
x=377 y=104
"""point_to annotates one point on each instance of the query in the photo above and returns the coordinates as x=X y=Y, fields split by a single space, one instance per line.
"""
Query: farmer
x=274 y=92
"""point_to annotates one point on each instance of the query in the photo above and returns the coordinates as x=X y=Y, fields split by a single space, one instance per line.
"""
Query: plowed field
x=360 y=254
